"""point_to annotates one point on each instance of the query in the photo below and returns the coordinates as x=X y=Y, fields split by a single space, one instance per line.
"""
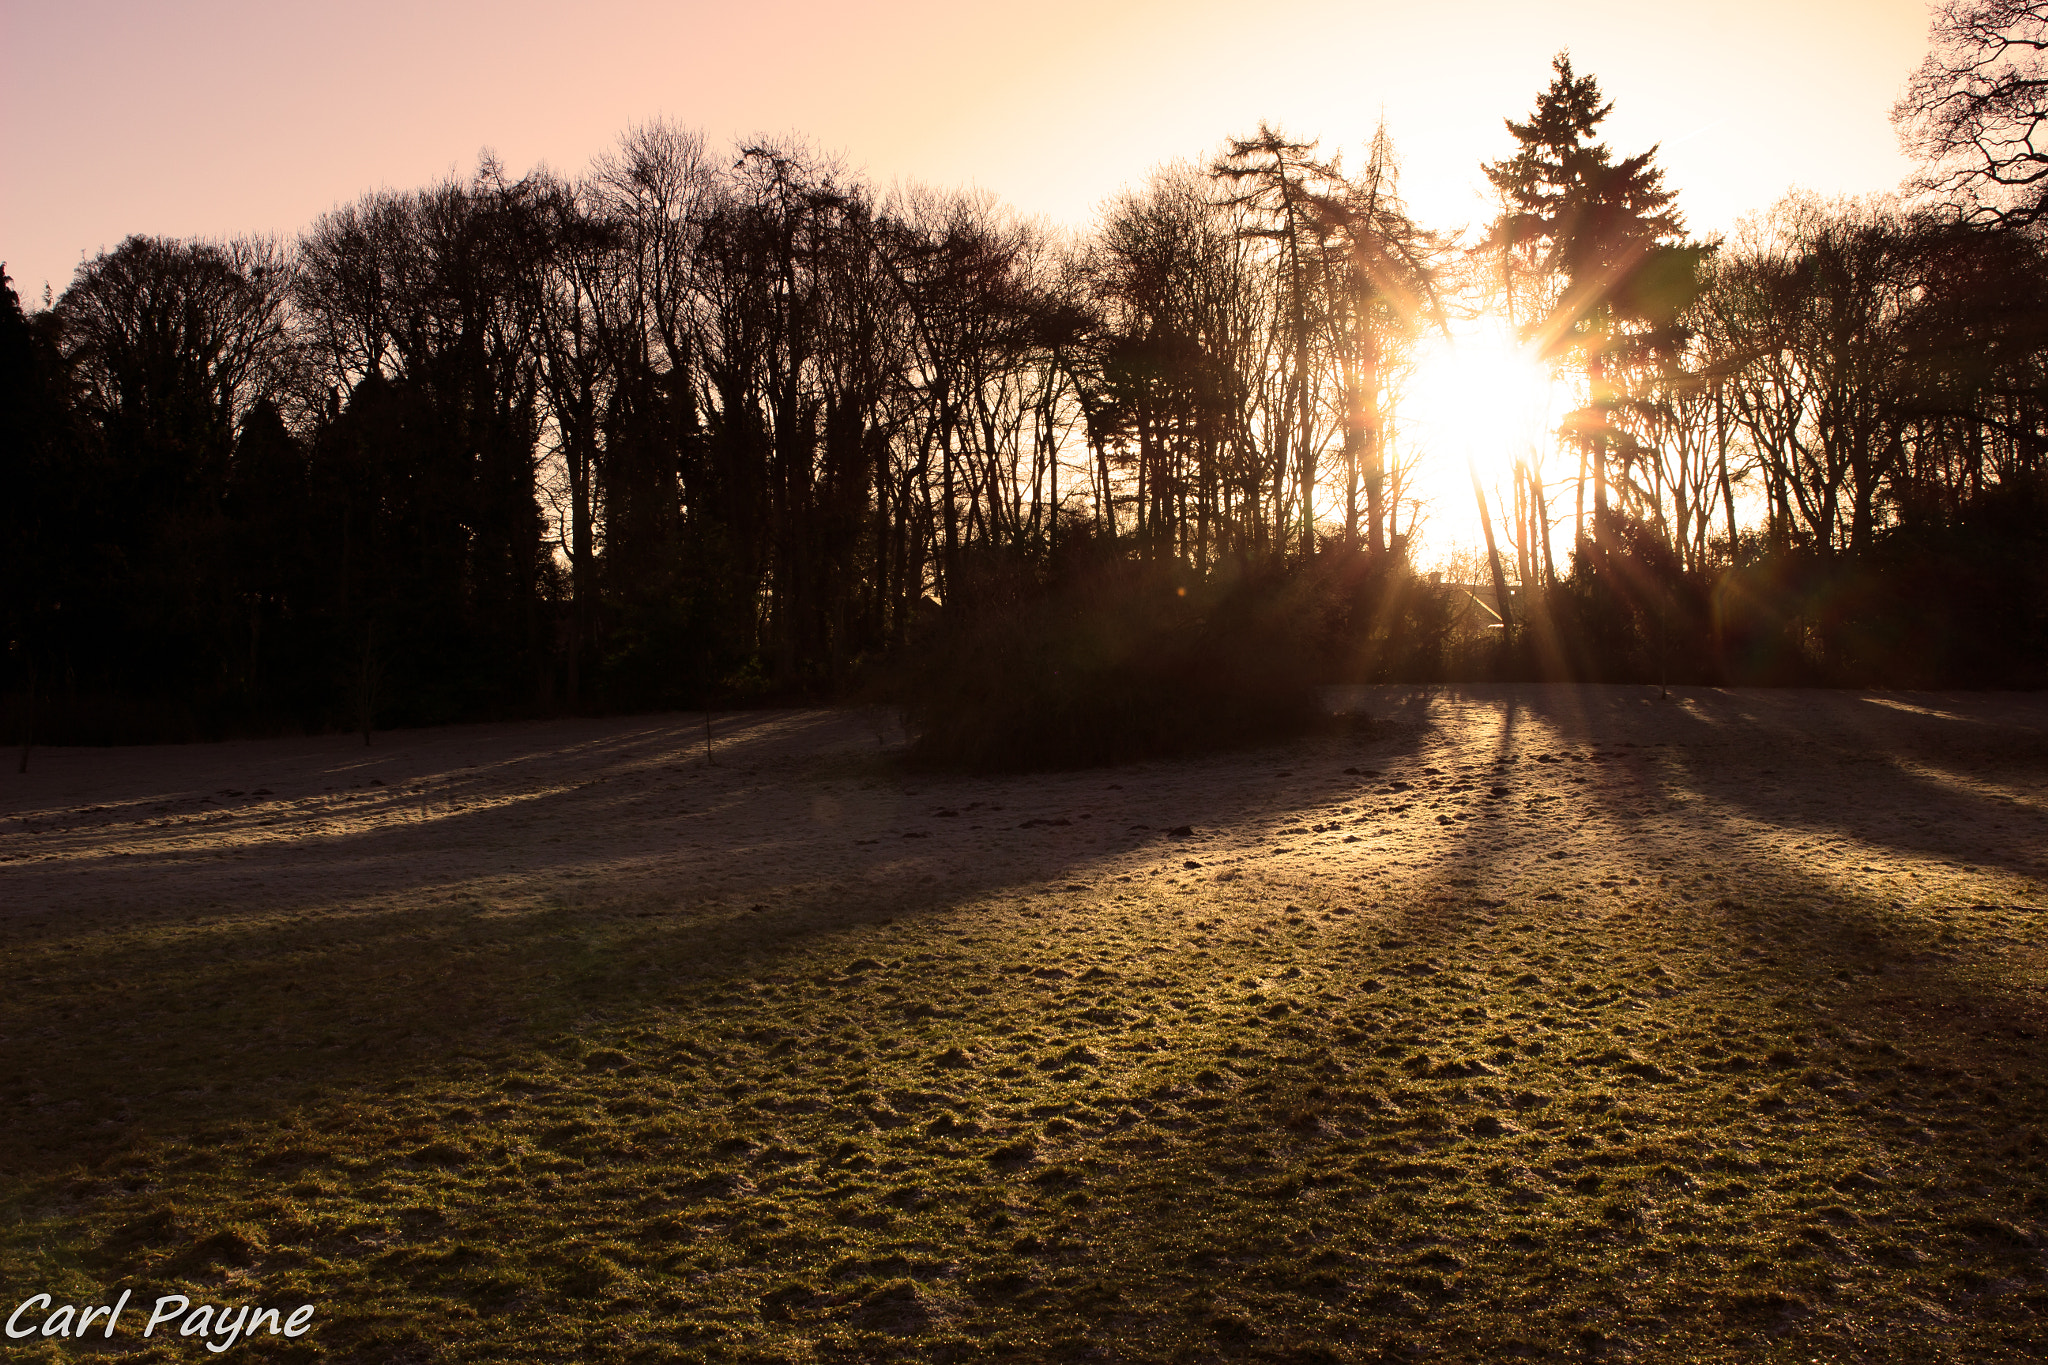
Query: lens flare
x=1476 y=399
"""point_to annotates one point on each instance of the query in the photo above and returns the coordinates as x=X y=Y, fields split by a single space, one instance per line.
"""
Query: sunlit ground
x=1540 y=1023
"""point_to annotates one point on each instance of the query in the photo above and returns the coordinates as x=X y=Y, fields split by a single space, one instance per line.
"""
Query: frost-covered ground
x=1524 y=1021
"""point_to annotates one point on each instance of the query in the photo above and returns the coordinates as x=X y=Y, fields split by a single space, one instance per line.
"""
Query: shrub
x=1111 y=660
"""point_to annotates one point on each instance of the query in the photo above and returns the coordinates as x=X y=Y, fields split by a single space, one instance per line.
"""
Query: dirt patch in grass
x=1529 y=1023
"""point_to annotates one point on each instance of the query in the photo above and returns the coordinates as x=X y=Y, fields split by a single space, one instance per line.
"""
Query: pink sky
x=209 y=119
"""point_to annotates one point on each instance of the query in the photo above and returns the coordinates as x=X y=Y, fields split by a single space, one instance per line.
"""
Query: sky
x=216 y=119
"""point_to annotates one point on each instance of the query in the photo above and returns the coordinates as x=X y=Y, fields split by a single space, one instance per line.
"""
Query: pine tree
x=1589 y=248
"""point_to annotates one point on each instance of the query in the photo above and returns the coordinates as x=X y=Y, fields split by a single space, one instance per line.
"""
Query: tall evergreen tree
x=1587 y=246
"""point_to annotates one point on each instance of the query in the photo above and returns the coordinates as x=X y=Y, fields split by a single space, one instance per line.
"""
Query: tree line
x=697 y=425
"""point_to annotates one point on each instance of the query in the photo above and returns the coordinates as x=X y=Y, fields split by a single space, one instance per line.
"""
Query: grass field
x=1544 y=1024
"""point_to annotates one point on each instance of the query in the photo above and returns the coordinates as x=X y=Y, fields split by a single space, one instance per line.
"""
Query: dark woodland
x=708 y=428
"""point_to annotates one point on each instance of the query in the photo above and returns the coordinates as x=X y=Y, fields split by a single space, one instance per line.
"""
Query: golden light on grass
x=1535 y=988
x=803 y=1056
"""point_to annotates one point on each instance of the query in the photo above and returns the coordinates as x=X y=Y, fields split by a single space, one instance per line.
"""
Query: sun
x=1478 y=394
x=1475 y=400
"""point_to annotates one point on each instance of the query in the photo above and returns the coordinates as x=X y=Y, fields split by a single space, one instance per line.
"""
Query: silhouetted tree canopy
x=1974 y=112
x=699 y=426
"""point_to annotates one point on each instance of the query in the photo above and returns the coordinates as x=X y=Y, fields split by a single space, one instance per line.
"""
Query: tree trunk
x=28 y=728
x=1597 y=398
x=1500 y=581
x=582 y=566
x=1374 y=442
x=366 y=680
x=1579 y=501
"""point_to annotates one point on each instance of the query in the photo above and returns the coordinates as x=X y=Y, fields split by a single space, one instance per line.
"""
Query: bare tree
x=1385 y=294
x=1282 y=185
x=1977 y=110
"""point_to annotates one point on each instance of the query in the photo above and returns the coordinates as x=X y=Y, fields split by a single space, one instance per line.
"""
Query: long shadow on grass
x=1942 y=818
x=1763 y=742
x=149 y=1022
x=211 y=1043
x=1887 y=1076
x=1189 y=1126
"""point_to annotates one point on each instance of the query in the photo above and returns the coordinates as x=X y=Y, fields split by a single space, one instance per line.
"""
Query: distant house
x=1476 y=604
